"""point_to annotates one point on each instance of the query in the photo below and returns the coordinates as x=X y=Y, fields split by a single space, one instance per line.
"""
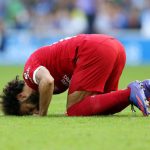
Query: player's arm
x=46 y=86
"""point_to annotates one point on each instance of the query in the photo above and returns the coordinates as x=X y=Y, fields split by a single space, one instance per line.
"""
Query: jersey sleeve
x=30 y=69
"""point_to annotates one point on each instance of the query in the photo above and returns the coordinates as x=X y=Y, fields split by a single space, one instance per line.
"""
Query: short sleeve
x=31 y=67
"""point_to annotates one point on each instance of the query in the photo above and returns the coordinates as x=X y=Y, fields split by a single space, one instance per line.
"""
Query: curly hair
x=10 y=104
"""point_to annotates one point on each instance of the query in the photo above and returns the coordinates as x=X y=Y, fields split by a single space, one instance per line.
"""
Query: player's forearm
x=46 y=91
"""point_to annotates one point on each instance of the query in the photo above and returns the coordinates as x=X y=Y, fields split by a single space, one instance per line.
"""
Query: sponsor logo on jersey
x=26 y=74
x=65 y=80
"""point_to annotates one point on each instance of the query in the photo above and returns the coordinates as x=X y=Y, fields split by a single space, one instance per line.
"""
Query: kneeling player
x=89 y=65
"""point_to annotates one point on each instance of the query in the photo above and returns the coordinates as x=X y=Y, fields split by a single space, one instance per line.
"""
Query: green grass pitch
x=123 y=131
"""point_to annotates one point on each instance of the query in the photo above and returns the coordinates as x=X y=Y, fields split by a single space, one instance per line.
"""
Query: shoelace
x=148 y=98
x=132 y=108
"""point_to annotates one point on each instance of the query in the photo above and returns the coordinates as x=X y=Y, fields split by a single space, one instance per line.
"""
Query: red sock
x=102 y=104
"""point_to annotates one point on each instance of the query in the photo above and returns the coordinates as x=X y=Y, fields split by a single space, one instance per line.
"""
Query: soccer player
x=89 y=66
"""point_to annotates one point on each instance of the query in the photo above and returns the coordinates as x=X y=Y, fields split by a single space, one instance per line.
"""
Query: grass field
x=123 y=131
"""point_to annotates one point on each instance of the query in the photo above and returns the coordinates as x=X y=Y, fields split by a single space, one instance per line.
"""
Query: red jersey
x=59 y=58
x=83 y=62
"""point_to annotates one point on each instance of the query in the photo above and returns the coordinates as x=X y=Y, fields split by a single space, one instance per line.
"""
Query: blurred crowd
x=53 y=17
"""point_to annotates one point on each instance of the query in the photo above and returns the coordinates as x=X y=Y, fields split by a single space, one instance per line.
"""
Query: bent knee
x=77 y=96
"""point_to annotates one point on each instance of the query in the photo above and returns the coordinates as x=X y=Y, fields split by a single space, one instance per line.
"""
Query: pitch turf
x=122 y=131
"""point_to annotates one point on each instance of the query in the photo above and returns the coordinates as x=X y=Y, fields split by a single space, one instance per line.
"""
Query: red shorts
x=99 y=66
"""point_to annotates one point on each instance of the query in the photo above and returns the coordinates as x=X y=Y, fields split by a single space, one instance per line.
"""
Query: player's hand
x=36 y=113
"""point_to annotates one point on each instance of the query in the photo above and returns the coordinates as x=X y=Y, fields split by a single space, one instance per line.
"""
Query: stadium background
x=26 y=25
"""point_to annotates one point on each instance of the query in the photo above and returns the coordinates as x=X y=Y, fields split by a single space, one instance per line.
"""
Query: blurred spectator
x=17 y=15
x=145 y=20
x=2 y=9
x=89 y=8
x=71 y=20
x=2 y=36
x=134 y=21
x=76 y=16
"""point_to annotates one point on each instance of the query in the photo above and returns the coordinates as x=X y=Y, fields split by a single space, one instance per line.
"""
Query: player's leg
x=89 y=79
x=101 y=104
x=113 y=79
x=93 y=78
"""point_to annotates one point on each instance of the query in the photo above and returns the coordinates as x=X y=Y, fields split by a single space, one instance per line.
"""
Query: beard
x=34 y=99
